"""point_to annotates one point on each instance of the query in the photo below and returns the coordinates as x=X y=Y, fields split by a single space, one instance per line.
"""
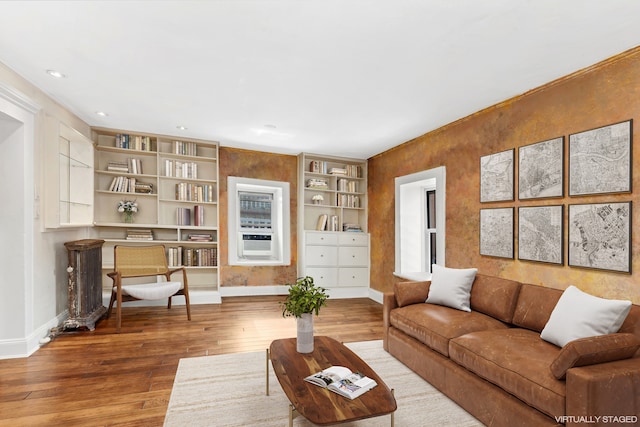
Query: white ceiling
x=344 y=77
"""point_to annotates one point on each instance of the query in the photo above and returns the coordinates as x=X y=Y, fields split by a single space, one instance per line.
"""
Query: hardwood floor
x=100 y=378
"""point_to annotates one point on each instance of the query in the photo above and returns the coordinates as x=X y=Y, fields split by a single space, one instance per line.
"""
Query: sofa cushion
x=517 y=361
x=579 y=315
x=495 y=296
x=592 y=350
x=435 y=325
x=407 y=293
x=451 y=287
x=534 y=306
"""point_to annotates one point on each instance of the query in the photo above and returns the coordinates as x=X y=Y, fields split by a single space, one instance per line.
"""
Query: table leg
x=290 y=415
x=393 y=414
x=267 y=370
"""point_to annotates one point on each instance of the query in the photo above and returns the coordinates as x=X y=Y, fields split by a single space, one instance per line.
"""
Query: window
x=420 y=223
x=258 y=222
x=430 y=243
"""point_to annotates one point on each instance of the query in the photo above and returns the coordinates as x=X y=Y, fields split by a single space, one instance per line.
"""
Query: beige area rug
x=229 y=391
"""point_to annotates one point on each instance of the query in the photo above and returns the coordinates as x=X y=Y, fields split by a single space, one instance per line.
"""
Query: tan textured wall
x=258 y=165
x=603 y=94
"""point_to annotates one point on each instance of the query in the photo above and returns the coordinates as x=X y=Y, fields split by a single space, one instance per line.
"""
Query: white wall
x=33 y=283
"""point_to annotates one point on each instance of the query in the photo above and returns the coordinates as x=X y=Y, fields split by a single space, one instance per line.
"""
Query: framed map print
x=540 y=169
x=496 y=176
x=540 y=231
x=496 y=232
x=600 y=160
x=600 y=236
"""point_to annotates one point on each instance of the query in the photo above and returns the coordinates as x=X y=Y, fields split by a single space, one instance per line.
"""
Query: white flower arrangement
x=318 y=198
x=128 y=206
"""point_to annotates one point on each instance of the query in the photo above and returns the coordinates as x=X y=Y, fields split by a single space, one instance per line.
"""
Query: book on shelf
x=343 y=381
x=317 y=184
x=333 y=223
x=322 y=222
x=347 y=185
x=178 y=256
x=185 y=148
x=351 y=227
x=338 y=171
x=198 y=215
x=123 y=184
x=139 y=234
x=180 y=169
x=131 y=165
x=183 y=216
x=115 y=166
x=318 y=166
x=190 y=192
x=200 y=237
x=133 y=142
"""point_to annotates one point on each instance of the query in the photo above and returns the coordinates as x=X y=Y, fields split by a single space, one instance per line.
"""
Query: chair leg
x=119 y=312
x=169 y=303
x=113 y=297
x=188 y=304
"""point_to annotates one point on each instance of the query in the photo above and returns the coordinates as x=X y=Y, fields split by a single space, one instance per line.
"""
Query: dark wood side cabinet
x=85 y=283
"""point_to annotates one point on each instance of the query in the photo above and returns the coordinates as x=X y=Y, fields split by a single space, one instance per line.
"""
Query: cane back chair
x=144 y=261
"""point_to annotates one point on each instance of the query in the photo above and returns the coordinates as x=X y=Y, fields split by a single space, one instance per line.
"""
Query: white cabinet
x=174 y=181
x=68 y=172
x=337 y=260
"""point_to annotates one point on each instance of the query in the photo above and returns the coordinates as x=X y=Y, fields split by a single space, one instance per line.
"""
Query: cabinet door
x=321 y=255
x=353 y=276
x=325 y=277
x=353 y=256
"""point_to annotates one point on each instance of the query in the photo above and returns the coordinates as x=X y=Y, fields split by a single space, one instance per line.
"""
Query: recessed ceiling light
x=101 y=113
x=181 y=127
x=56 y=74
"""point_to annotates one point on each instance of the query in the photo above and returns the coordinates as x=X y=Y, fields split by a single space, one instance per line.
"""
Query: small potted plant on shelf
x=304 y=300
x=317 y=199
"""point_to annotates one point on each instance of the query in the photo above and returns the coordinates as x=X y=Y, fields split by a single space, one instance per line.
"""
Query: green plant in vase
x=304 y=300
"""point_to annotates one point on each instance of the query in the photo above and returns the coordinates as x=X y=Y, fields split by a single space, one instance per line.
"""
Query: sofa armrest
x=592 y=350
x=388 y=304
x=604 y=390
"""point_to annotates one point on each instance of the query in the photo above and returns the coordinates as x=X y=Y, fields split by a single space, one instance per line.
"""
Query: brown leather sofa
x=493 y=363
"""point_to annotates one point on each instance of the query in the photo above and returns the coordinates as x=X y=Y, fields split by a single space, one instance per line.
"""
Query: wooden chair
x=144 y=261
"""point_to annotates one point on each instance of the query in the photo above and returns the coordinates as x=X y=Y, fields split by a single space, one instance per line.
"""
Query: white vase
x=304 y=339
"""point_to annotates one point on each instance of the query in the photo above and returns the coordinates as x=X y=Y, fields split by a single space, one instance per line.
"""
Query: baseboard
x=25 y=347
x=246 y=291
x=376 y=295
x=215 y=297
x=195 y=298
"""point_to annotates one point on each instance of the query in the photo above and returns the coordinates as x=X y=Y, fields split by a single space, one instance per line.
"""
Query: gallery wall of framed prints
x=598 y=233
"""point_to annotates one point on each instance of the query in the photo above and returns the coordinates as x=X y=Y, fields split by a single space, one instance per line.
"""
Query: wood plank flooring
x=100 y=378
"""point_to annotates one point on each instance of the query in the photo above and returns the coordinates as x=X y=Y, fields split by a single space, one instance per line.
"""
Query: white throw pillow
x=451 y=287
x=581 y=315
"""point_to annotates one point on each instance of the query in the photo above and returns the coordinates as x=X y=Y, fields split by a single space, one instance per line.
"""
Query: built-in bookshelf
x=333 y=193
x=174 y=182
x=333 y=241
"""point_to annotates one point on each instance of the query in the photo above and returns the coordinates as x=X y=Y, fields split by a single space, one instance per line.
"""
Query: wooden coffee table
x=317 y=404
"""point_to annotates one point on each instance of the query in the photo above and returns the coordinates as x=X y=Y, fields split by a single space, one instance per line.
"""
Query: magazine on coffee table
x=343 y=381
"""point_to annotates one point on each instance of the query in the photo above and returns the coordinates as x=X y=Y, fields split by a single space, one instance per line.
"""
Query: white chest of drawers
x=337 y=259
